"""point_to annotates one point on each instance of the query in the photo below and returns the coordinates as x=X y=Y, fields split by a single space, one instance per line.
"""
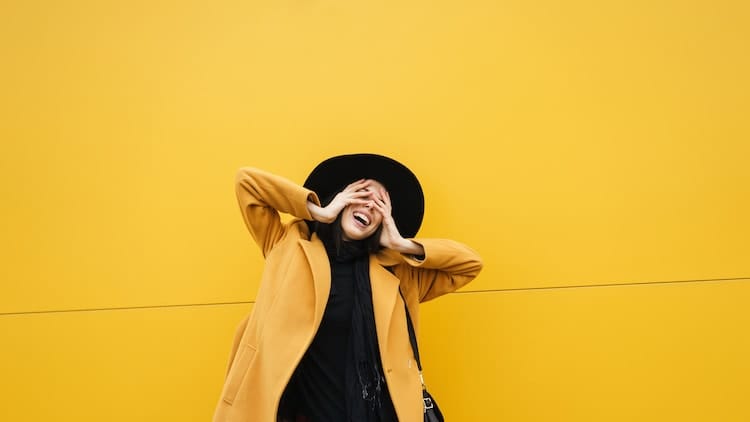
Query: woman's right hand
x=355 y=193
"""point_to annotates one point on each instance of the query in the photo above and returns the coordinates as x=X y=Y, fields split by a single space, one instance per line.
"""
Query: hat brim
x=407 y=198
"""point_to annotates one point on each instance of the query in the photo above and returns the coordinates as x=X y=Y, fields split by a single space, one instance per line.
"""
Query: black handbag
x=432 y=412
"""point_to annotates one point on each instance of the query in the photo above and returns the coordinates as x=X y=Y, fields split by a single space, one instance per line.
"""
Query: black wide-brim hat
x=407 y=199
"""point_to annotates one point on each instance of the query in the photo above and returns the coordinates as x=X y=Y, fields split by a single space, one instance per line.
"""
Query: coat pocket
x=237 y=372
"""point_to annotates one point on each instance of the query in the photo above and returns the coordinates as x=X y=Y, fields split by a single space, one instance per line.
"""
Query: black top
x=320 y=377
x=317 y=391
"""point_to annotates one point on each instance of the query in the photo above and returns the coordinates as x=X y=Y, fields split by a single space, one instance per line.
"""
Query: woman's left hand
x=389 y=236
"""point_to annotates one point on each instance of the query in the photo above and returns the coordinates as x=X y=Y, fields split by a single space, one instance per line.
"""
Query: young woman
x=327 y=339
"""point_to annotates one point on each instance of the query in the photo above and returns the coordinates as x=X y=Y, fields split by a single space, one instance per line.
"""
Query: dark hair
x=332 y=234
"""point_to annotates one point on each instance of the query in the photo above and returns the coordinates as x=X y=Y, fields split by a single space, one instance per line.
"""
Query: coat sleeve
x=447 y=266
x=261 y=196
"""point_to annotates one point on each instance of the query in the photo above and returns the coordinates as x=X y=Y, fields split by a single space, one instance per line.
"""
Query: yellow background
x=594 y=153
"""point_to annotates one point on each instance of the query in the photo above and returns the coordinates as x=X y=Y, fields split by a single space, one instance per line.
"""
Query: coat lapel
x=384 y=297
x=321 y=272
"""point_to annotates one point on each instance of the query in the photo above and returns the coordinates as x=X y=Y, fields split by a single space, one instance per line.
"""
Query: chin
x=356 y=235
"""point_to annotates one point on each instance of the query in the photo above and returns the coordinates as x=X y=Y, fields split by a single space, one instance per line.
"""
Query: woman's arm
x=408 y=247
x=444 y=266
x=438 y=266
x=261 y=196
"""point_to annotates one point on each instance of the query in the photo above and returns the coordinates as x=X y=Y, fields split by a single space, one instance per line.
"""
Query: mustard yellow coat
x=293 y=294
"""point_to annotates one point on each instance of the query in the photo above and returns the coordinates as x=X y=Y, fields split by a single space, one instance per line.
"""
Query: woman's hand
x=355 y=193
x=389 y=236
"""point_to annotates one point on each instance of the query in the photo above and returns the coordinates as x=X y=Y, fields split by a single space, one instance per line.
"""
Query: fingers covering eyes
x=359 y=184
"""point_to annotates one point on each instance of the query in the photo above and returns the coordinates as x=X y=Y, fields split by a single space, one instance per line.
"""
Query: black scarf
x=368 y=399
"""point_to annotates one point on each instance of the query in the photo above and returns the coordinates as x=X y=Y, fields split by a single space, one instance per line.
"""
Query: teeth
x=362 y=218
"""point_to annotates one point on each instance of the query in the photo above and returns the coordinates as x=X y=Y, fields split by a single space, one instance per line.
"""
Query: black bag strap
x=412 y=338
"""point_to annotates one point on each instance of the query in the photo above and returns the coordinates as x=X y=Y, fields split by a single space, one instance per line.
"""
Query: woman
x=327 y=339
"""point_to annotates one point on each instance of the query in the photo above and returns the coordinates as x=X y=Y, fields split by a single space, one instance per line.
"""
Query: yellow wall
x=595 y=153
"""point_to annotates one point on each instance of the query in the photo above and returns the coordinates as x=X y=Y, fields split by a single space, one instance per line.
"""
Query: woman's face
x=361 y=221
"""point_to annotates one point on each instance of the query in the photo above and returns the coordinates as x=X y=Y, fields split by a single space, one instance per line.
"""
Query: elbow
x=242 y=174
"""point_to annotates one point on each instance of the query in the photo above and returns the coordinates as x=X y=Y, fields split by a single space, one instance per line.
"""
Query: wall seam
x=519 y=289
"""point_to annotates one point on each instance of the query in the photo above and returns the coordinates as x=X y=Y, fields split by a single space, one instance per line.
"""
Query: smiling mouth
x=362 y=219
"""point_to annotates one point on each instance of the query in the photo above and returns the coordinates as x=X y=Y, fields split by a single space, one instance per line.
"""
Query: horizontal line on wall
x=519 y=289
x=125 y=308
x=584 y=286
